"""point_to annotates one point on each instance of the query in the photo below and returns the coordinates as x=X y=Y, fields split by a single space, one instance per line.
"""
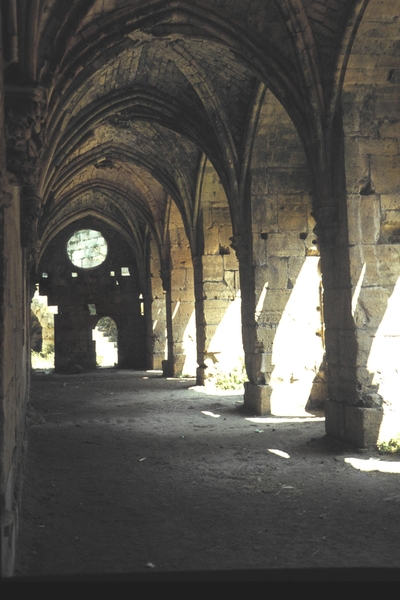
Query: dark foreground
x=132 y=477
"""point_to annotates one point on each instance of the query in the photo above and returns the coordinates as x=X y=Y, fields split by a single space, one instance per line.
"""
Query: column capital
x=25 y=112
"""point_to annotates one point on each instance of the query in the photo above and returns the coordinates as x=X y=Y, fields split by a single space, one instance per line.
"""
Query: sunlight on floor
x=210 y=414
x=211 y=390
x=279 y=453
x=284 y=419
x=374 y=464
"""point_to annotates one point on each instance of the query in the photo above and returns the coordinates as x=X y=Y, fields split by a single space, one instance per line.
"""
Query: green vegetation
x=108 y=328
x=390 y=447
x=44 y=359
x=233 y=380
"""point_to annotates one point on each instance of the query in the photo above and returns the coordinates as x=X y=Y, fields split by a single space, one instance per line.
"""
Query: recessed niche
x=87 y=249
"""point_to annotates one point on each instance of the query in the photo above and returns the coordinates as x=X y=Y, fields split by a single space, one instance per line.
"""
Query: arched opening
x=87 y=249
x=42 y=333
x=105 y=335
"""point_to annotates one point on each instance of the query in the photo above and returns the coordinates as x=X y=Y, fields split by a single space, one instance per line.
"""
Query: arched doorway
x=105 y=334
x=42 y=332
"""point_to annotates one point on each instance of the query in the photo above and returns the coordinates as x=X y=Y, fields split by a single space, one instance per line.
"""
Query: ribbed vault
x=139 y=91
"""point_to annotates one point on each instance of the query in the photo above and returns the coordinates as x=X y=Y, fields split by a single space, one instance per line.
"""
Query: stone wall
x=150 y=124
x=371 y=112
x=285 y=337
x=15 y=353
x=217 y=286
x=182 y=297
x=113 y=294
x=158 y=339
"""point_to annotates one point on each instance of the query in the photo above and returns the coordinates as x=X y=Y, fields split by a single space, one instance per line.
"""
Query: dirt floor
x=129 y=472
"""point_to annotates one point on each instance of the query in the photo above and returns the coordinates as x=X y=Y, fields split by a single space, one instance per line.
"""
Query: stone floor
x=129 y=472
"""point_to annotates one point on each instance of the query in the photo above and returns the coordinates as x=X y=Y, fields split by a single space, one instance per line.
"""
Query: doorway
x=105 y=335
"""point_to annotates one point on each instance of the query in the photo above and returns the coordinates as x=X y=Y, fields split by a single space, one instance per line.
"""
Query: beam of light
x=373 y=465
x=297 y=349
x=226 y=343
x=155 y=324
x=383 y=363
x=260 y=302
x=176 y=309
x=357 y=289
x=279 y=453
x=189 y=347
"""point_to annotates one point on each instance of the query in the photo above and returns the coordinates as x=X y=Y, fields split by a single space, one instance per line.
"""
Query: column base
x=257 y=398
x=167 y=369
x=8 y=543
x=354 y=424
x=201 y=375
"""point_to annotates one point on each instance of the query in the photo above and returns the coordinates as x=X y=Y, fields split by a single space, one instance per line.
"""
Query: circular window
x=87 y=249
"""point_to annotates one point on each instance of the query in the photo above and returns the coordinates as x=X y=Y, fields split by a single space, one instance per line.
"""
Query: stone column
x=19 y=152
x=363 y=360
x=168 y=363
x=216 y=283
x=158 y=311
x=279 y=276
x=177 y=276
x=216 y=288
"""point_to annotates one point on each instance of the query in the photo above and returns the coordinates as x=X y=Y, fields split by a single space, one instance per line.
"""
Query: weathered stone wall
x=159 y=339
x=122 y=123
x=15 y=351
x=113 y=294
x=371 y=122
x=182 y=297
x=284 y=339
x=218 y=324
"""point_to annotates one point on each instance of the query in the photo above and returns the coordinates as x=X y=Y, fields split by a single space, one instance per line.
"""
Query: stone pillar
x=280 y=282
x=217 y=327
x=363 y=359
x=73 y=344
x=183 y=318
x=158 y=311
x=15 y=373
x=19 y=151
x=177 y=276
x=216 y=277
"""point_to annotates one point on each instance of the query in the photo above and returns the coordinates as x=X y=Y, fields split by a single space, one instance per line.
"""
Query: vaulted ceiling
x=138 y=91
